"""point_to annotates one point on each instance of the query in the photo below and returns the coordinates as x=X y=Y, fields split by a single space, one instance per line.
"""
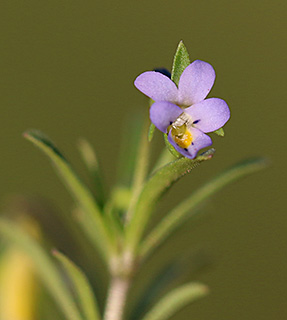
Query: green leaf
x=176 y=300
x=83 y=289
x=117 y=207
x=90 y=159
x=160 y=182
x=131 y=136
x=180 y=62
x=140 y=171
x=155 y=286
x=45 y=267
x=186 y=209
x=219 y=132
x=102 y=239
x=121 y=198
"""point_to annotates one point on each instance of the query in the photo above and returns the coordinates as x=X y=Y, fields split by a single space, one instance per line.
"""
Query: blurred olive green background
x=67 y=67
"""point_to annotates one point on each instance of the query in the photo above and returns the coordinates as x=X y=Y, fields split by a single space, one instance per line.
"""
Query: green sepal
x=180 y=62
x=82 y=287
x=151 y=132
x=219 y=132
x=151 y=102
x=170 y=148
x=176 y=300
x=152 y=126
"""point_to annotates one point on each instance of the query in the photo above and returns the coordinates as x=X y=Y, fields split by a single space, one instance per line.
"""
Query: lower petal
x=163 y=114
x=199 y=141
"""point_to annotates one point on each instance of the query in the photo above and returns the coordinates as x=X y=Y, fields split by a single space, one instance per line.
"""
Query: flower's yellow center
x=181 y=135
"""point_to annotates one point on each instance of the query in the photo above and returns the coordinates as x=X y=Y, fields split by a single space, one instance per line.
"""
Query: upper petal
x=195 y=82
x=200 y=140
x=209 y=115
x=156 y=86
x=163 y=113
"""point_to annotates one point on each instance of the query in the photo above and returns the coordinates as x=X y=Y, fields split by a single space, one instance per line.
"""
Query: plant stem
x=117 y=295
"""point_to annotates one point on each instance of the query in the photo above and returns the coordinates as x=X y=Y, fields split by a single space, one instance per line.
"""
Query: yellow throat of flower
x=181 y=135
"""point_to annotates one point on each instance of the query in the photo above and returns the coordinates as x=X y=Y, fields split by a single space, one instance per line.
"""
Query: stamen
x=181 y=135
x=179 y=130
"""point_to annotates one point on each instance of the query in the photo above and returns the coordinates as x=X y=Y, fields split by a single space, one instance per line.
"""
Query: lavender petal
x=195 y=82
x=209 y=115
x=156 y=86
x=163 y=113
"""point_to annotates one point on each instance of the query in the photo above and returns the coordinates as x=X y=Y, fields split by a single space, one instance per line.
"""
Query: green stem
x=116 y=300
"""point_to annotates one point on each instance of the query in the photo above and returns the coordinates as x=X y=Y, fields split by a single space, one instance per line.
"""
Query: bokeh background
x=67 y=68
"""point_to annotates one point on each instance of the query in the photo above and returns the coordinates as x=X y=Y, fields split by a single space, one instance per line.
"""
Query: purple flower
x=181 y=111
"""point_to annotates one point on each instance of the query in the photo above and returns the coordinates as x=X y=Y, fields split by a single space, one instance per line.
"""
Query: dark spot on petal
x=170 y=123
x=163 y=71
x=185 y=149
x=196 y=121
x=192 y=143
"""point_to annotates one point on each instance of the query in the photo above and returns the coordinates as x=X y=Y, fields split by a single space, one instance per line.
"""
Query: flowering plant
x=115 y=227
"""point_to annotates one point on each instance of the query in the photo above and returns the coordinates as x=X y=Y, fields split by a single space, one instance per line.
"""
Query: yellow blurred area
x=18 y=288
x=18 y=283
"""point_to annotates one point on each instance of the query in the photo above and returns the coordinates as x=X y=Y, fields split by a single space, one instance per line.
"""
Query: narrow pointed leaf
x=90 y=159
x=155 y=287
x=81 y=193
x=45 y=267
x=140 y=171
x=186 y=210
x=176 y=300
x=180 y=62
x=129 y=146
x=171 y=274
x=160 y=182
x=83 y=289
